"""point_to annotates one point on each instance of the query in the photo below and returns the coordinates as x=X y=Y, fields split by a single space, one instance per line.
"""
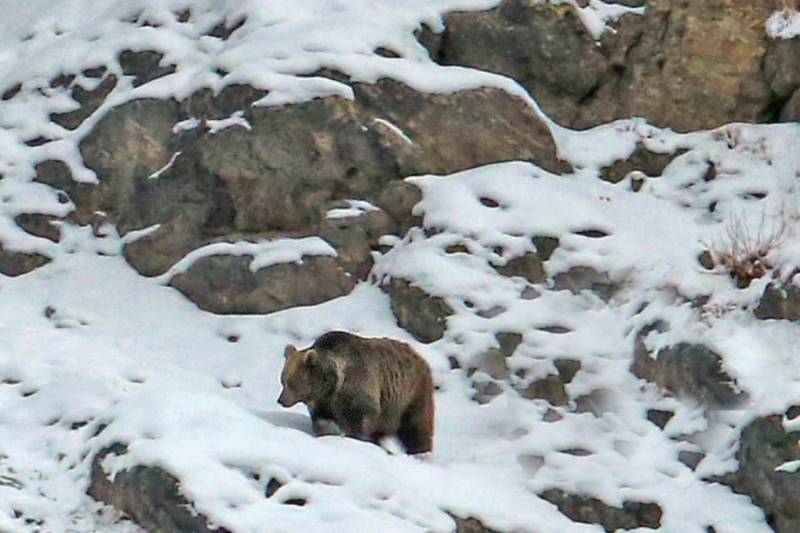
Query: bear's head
x=297 y=377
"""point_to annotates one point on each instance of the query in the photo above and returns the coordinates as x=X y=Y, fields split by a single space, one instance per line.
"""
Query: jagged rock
x=485 y=390
x=18 y=263
x=508 y=341
x=422 y=315
x=550 y=388
x=679 y=55
x=40 y=225
x=567 y=368
x=765 y=445
x=543 y=46
x=225 y=284
x=276 y=178
x=781 y=301
x=545 y=246
x=143 y=65
x=690 y=458
x=147 y=494
x=686 y=369
x=354 y=237
x=642 y=159
x=528 y=266
x=659 y=417
x=782 y=66
x=493 y=363
x=581 y=278
x=470 y=525
x=631 y=515
x=89 y=100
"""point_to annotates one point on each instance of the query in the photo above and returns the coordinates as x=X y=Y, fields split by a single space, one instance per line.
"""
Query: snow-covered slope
x=91 y=353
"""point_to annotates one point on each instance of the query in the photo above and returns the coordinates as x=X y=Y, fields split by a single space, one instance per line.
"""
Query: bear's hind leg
x=416 y=427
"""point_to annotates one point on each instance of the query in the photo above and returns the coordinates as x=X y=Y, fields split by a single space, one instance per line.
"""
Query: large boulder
x=419 y=313
x=277 y=171
x=679 y=55
x=779 y=301
x=226 y=284
x=18 y=263
x=764 y=446
x=686 y=370
x=147 y=494
x=589 y=510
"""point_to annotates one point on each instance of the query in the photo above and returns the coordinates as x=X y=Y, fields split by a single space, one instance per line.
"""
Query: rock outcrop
x=676 y=56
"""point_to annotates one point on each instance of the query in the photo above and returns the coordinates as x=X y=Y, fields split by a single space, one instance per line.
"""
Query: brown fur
x=366 y=388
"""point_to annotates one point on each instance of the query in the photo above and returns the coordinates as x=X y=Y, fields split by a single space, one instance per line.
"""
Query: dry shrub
x=743 y=253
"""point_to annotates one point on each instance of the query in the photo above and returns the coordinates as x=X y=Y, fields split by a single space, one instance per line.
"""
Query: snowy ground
x=85 y=342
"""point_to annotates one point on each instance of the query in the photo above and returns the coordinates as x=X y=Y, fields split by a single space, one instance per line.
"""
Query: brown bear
x=367 y=388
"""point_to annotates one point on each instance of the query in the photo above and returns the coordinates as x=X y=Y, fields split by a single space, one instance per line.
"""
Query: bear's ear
x=290 y=350
x=311 y=358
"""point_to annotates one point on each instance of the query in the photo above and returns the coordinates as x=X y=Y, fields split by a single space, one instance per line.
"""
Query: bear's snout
x=285 y=399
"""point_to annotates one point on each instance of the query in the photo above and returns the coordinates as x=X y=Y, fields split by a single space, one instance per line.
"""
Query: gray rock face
x=148 y=494
x=528 y=266
x=763 y=446
x=679 y=55
x=631 y=515
x=225 y=284
x=18 y=263
x=422 y=315
x=581 y=278
x=779 y=301
x=471 y=525
x=278 y=178
x=689 y=370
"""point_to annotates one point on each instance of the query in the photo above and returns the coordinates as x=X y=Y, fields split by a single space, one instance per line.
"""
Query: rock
x=584 y=509
x=147 y=494
x=39 y=225
x=567 y=368
x=686 y=369
x=272 y=490
x=782 y=66
x=144 y=66
x=528 y=266
x=659 y=417
x=545 y=246
x=508 y=341
x=642 y=159
x=470 y=525
x=765 y=445
x=581 y=278
x=89 y=101
x=703 y=56
x=422 y=315
x=780 y=301
x=544 y=47
x=493 y=363
x=550 y=388
x=485 y=390
x=277 y=178
x=225 y=284
x=355 y=237
x=126 y=147
x=690 y=458
x=18 y=263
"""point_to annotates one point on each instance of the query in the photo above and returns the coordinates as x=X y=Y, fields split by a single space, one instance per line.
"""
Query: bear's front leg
x=356 y=414
x=322 y=422
x=325 y=426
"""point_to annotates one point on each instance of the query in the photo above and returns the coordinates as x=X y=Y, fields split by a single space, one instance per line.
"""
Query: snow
x=264 y=253
x=355 y=208
x=783 y=24
x=235 y=120
x=86 y=342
